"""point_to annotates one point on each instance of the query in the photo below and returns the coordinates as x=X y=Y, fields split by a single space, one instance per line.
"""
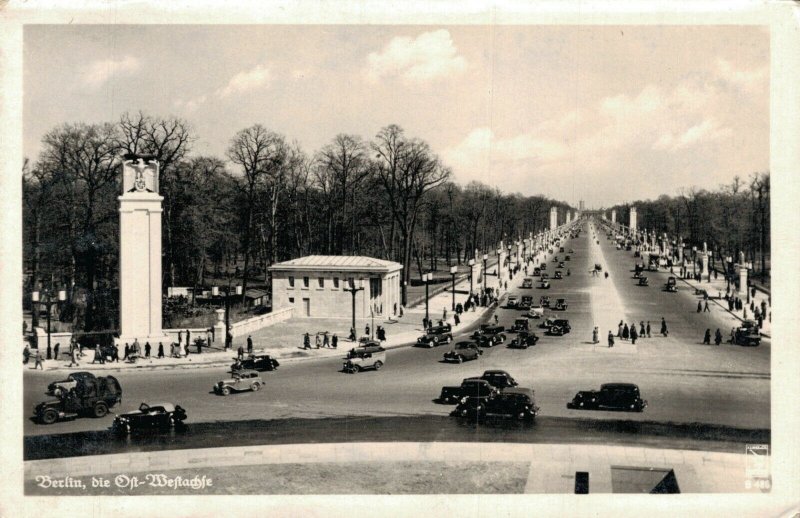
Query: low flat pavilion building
x=316 y=286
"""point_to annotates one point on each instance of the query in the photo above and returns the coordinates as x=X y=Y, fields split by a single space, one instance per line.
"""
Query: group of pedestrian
x=717 y=337
x=322 y=340
x=703 y=308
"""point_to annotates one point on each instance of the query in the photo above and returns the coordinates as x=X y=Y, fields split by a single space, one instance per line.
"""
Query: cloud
x=708 y=130
x=747 y=80
x=100 y=71
x=256 y=77
x=428 y=57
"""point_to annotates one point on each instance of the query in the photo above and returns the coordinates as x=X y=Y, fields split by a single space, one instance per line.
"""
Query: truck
x=89 y=397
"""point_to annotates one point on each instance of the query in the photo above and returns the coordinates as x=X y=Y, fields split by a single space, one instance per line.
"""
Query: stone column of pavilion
x=742 y=276
x=613 y=217
x=553 y=218
x=633 y=220
x=704 y=261
x=502 y=271
x=140 y=253
x=475 y=271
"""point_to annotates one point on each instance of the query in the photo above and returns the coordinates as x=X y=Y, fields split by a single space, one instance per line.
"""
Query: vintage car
x=517 y=403
x=527 y=283
x=537 y=272
x=150 y=416
x=364 y=360
x=567 y=258
x=547 y=323
x=536 y=312
x=558 y=275
x=489 y=340
x=561 y=265
x=611 y=396
x=463 y=351
x=747 y=334
x=672 y=285
x=57 y=388
x=524 y=340
x=598 y=267
x=246 y=379
x=559 y=327
x=436 y=335
x=542 y=267
x=561 y=249
x=544 y=301
x=499 y=379
x=512 y=301
x=527 y=300
x=520 y=324
x=561 y=305
x=488 y=329
x=544 y=285
x=89 y=397
x=259 y=362
x=555 y=259
x=643 y=281
x=370 y=346
x=477 y=388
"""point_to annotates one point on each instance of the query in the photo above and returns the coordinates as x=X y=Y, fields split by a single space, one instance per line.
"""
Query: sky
x=605 y=114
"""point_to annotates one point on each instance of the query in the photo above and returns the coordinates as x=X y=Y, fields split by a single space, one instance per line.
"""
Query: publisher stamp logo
x=757 y=473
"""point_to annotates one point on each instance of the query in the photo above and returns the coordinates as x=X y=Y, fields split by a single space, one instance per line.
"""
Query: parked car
x=524 y=340
x=477 y=388
x=370 y=346
x=242 y=380
x=527 y=283
x=643 y=281
x=672 y=284
x=527 y=300
x=543 y=267
x=463 y=351
x=561 y=305
x=561 y=249
x=537 y=272
x=561 y=264
x=512 y=301
x=149 y=417
x=611 y=396
x=89 y=396
x=547 y=323
x=259 y=362
x=558 y=275
x=437 y=335
x=747 y=334
x=559 y=327
x=544 y=301
x=517 y=403
x=520 y=324
x=544 y=285
x=58 y=388
x=567 y=258
x=536 y=312
x=364 y=360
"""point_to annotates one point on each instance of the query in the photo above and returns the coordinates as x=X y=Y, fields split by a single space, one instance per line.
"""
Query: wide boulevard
x=682 y=380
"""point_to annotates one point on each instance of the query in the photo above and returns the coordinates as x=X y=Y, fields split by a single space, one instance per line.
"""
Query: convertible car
x=150 y=416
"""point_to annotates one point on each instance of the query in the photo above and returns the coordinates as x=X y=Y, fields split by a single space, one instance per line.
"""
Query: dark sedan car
x=259 y=362
x=611 y=396
x=489 y=340
x=152 y=416
x=463 y=351
x=437 y=335
x=517 y=403
x=523 y=340
x=560 y=327
x=370 y=346
x=58 y=388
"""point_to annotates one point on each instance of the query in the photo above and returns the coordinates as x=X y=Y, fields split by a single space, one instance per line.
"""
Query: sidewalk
x=551 y=468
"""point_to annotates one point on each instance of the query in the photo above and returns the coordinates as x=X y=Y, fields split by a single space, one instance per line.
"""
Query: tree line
x=267 y=200
x=731 y=219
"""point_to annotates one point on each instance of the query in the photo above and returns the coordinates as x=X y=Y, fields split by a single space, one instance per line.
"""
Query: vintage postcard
x=443 y=259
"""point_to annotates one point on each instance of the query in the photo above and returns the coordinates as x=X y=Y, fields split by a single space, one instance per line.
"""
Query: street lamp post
x=485 y=259
x=453 y=270
x=353 y=290
x=48 y=303
x=215 y=293
x=426 y=277
x=471 y=263
x=694 y=261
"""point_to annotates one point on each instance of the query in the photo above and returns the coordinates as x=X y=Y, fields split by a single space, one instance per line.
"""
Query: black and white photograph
x=322 y=258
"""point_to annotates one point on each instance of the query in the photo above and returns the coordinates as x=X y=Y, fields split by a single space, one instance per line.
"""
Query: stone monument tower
x=553 y=218
x=633 y=221
x=140 y=252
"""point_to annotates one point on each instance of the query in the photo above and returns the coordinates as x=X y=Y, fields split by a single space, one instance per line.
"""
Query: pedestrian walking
x=55 y=351
x=619 y=329
x=97 y=354
x=74 y=359
x=718 y=336
x=625 y=332
x=705 y=308
x=642 y=332
x=199 y=344
x=306 y=341
x=186 y=348
x=594 y=335
x=327 y=343
x=352 y=334
x=699 y=306
x=633 y=334
x=317 y=341
x=180 y=337
x=456 y=319
x=366 y=330
x=444 y=314
x=229 y=340
x=335 y=341
x=610 y=339
x=114 y=354
x=147 y=349
x=127 y=352
x=249 y=344
x=160 y=350
x=240 y=352
x=664 y=330
x=38 y=359
x=496 y=320
x=26 y=354
x=707 y=337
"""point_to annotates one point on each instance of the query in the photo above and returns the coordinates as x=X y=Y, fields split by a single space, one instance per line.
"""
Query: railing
x=254 y=324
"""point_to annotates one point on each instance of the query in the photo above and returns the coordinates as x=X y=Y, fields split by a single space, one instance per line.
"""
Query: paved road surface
x=683 y=381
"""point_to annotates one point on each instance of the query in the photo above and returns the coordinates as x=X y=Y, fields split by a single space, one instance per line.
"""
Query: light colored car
x=365 y=360
x=536 y=311
x=242 y=380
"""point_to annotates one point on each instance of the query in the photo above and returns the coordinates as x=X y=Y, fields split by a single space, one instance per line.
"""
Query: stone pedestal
x=140 y=268
x=743 y=280
x=614 y=216
x=475 y=275
x=219 y=326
